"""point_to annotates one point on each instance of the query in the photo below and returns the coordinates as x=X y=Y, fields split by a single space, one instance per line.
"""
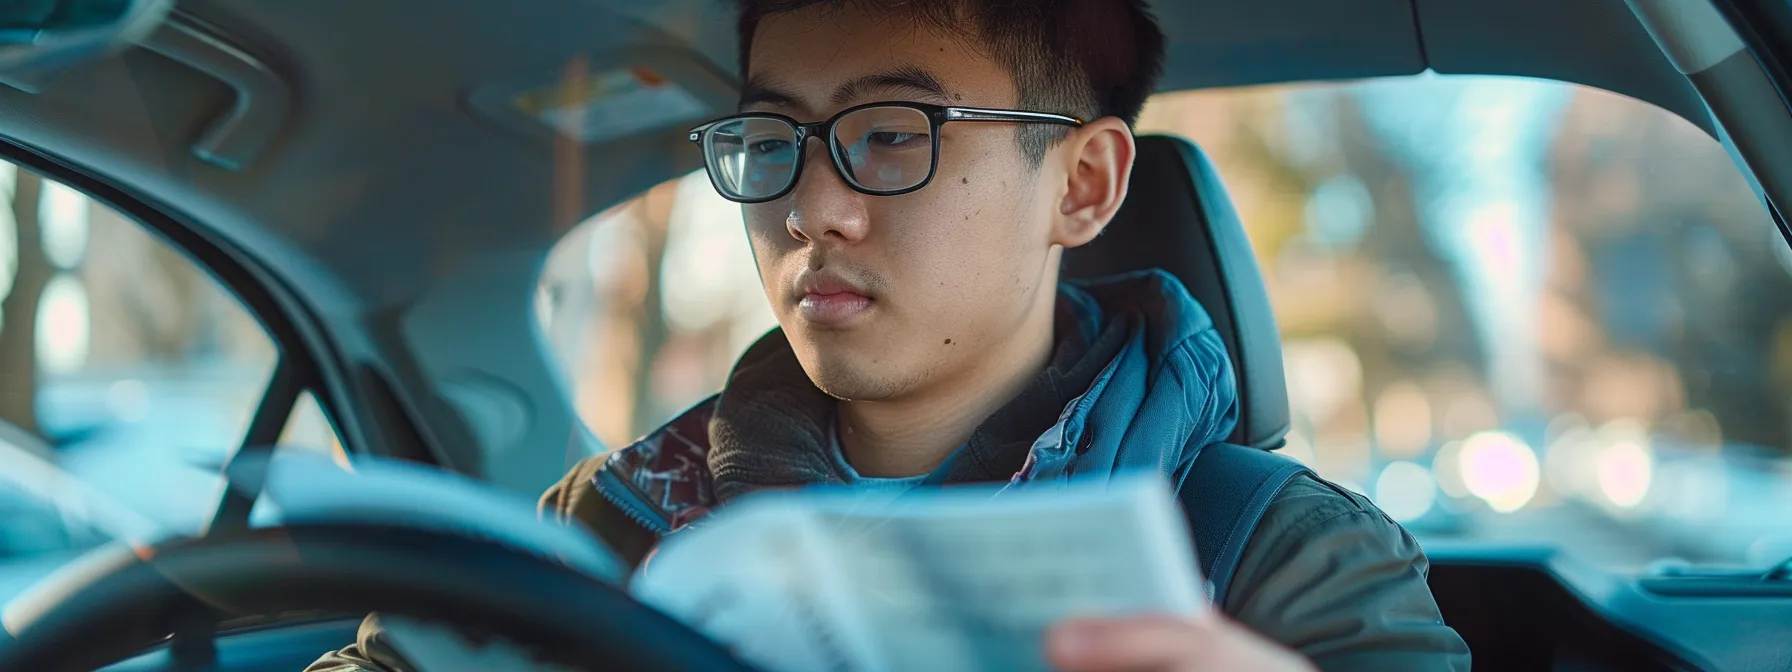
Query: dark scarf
x=770 y=424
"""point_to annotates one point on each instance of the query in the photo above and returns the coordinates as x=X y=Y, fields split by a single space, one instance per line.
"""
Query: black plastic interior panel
x=1524 y=606
x=1518 y=618
x=1594 y=42
x=1237 y=43
x=241 y=132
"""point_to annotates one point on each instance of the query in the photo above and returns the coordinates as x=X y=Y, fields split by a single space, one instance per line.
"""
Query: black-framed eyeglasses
x=880 y=149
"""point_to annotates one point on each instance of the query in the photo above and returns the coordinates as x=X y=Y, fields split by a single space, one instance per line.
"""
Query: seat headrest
x=1177 y=217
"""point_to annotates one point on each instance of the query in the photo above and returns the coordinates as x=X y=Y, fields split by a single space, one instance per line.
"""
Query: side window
x=646 y=306
x=128 y=376
x=307 y=430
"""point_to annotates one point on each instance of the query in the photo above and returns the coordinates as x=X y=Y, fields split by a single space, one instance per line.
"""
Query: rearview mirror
x=47 y=34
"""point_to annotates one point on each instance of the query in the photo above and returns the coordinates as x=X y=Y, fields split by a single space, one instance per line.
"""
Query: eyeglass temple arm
x=982 y=114
x=962 y=114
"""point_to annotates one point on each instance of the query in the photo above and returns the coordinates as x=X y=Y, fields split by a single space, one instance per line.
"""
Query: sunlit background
x=127 y=374
x=1513 y=311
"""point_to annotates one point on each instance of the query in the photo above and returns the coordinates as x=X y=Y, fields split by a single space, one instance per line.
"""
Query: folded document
x=962 y=578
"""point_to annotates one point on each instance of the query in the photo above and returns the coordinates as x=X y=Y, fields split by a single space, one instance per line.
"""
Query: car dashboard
x=1535 y=609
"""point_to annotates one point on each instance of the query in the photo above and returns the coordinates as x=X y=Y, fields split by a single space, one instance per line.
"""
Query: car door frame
x=308 y=361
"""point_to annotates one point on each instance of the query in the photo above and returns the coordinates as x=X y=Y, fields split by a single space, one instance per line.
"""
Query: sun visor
x=600 y=98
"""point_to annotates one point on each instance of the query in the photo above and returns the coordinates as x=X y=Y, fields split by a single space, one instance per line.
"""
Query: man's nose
x=822 y=205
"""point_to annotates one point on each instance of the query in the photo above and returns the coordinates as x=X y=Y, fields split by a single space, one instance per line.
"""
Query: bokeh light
x=1625 y=469
x=1402 y=420
x=1405 y=491
x=62 y=215
x=1500 y=469
x=1446 y=467
x=62 y=325
x=1568 y=461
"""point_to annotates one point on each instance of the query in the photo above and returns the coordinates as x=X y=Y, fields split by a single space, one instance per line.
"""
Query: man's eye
x=765 y=147
x=896 y=139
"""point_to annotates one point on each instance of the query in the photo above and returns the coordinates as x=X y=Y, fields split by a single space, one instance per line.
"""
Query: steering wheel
x=118 y=602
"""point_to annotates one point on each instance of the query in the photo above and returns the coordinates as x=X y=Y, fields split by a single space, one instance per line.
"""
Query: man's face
x=887 y=296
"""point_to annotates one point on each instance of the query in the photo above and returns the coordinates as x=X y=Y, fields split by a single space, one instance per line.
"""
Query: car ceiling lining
x=361 y=177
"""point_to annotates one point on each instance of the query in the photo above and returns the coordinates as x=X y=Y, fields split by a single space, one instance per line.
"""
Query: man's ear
x=1098 y=164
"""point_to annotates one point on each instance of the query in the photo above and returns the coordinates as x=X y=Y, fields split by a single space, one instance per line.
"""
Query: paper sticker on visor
x=611 y=104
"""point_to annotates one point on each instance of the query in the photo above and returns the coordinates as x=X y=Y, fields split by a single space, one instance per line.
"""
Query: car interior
x=373 y=182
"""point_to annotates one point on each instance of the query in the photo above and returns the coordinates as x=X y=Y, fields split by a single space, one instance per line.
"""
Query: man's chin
x=852 y=374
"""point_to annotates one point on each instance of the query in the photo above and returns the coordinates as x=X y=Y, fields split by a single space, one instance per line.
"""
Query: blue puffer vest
x=1169 y=392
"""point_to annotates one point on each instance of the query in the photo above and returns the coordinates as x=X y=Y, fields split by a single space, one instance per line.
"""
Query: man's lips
x=834 y=308
x=826 y=298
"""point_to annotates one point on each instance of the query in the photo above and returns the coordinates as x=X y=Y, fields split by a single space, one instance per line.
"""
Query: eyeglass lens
x=879 y=150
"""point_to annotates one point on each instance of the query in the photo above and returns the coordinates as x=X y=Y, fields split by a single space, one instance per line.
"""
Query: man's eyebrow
x=759 y=92
x=906 y=77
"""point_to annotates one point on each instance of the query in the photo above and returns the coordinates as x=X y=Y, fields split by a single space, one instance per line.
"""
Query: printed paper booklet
x=959 y=578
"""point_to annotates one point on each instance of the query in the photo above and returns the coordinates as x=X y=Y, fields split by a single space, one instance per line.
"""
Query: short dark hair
x=1084 y=58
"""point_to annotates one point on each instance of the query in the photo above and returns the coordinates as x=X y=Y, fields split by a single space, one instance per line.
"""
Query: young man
x=910 y=252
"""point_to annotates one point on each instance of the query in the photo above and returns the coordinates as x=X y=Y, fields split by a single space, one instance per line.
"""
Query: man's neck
x=914 y=435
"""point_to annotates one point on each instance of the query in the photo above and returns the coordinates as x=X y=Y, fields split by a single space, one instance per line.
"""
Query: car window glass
x=679 y=250
x=1512 y=310
x=308 y=431
x=128 y=373
x=1518 y=311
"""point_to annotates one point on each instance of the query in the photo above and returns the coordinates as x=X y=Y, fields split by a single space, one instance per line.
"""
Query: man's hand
x=1166 y=644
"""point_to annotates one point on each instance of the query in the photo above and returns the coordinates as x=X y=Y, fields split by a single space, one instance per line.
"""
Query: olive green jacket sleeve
x=1331 y=576
x=371 y=652
x=1326 y=573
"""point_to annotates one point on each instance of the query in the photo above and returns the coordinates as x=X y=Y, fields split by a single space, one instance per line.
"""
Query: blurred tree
x=1238 y=130
x=646 y=312
x=1682 y=261
x=170 y=328
x=18 y=310
x=1399 y=249
x=150 y=302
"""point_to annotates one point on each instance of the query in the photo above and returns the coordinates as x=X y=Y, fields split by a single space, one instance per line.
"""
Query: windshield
x=1521 y=311
x=1513 y=311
